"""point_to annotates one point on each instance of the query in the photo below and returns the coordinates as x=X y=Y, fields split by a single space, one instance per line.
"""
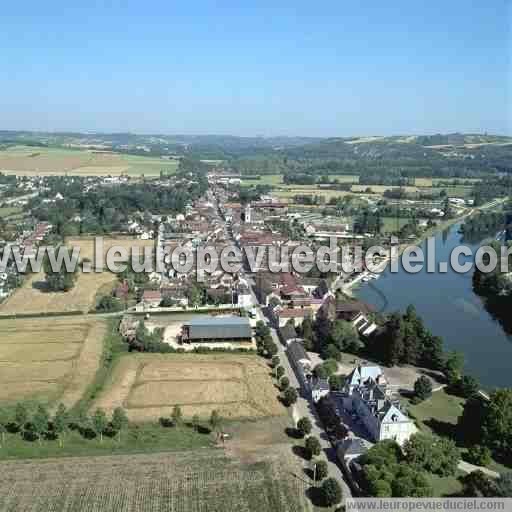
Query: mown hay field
x=181 y=482
x=49 y=359
x=26 y=161
x=149 y=385
x=32 y=297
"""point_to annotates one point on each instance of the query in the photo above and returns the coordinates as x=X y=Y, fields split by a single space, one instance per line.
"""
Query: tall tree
x=177 y=415
x=20 y=415
x=119 y=421
x=4 y=421
x=40 y=421
x=332 y=493
x=61 y=422
x=99 y=422
x=215 y=421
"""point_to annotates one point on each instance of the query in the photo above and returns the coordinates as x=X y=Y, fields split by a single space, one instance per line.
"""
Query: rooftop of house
x=294 y=313
x=364 y=373
x=151 y=295
x=353 y=307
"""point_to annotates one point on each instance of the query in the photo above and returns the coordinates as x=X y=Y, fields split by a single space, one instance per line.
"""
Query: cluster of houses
x=366 y=399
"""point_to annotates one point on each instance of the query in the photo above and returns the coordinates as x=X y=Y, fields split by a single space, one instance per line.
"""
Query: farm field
x=380 y=189
x=327 y=194
x=276 y=180
x=32 y=298
x=24 y=161
x=49 y=359
x=149 y=385
x=193 y=481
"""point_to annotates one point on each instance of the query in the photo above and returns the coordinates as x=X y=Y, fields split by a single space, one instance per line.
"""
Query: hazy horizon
x=333 y=70
x=255 y=136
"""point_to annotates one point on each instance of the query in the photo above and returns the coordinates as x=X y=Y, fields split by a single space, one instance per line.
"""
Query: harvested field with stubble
x=193 y=481
x=32 y=297
x=149 y=385
x=49 y=359
x=41 y=161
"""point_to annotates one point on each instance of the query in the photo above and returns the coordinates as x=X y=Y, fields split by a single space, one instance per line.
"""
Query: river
x=450 y=309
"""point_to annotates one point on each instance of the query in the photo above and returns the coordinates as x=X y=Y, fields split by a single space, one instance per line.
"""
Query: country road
x=304 y=405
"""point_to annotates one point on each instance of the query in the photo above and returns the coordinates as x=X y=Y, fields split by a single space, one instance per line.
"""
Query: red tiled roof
x=151 y=295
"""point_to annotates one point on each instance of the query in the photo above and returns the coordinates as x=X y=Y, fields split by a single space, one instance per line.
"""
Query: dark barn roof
x=219 y=328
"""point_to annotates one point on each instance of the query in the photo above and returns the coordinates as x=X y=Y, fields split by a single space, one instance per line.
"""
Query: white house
x=369 y=397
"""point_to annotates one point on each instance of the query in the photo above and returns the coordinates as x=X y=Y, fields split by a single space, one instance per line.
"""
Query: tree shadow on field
x=87 y=433
x=165 y=422
x=300 y=451
x=12 y=428
x=293 y=433
x=315 y=496
x=110 y=431
x=442 y=428
x=51 y=435
x=29 y=435
x=309 y=473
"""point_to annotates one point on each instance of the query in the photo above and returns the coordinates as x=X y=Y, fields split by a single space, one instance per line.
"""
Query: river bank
x=450 y=309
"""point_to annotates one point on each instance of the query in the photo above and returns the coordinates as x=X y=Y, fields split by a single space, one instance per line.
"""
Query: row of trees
x=39 y=424
x=176 y=420
x=289 y=394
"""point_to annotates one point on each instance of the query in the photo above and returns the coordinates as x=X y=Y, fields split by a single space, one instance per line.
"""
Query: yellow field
x=327 y=194
x=32 y=298
x=49 y=359
x=423 y=182
x=380 y=189
x=149 y=385
x=26 y=161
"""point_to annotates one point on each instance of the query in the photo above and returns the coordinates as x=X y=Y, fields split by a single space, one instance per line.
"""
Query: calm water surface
x=450 y=309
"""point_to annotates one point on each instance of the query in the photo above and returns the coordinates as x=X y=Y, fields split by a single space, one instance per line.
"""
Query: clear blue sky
x=304 y=68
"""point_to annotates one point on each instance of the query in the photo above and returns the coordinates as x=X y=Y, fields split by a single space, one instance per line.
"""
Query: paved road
x=470 y=468
x=305 y=407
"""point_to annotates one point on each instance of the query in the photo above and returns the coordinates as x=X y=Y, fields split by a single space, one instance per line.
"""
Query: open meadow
x=49 y=359
x=149 y=385
x=193 y=481
x=26 y=161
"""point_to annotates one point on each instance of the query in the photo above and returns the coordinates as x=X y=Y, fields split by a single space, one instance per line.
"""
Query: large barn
x=233 y=328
